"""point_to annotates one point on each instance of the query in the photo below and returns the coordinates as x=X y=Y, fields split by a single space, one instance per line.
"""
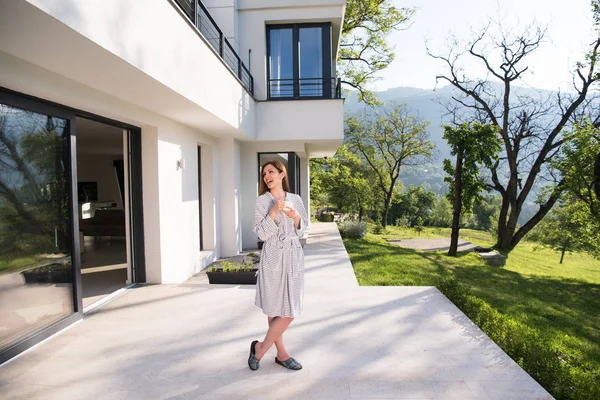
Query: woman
x=279 y=221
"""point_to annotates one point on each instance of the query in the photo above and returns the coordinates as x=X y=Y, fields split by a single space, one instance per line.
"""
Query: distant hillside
x=427 y=105
x=422 y=103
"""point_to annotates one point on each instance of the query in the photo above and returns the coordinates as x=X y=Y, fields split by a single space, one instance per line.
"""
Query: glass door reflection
x=36 y=271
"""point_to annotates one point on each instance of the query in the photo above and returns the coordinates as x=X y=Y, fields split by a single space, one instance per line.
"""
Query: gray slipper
x=253 y=362
x=290 y=363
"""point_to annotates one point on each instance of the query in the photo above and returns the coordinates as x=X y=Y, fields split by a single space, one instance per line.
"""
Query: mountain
x=428 y=106
x=422 y=103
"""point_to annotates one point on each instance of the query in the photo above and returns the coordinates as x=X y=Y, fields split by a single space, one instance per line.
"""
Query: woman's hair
x=279 y=167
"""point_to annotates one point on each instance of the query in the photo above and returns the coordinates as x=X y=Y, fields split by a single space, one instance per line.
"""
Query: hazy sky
x=569 y=25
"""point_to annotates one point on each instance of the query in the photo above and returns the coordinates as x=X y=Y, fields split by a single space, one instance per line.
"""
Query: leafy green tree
x=441 y=213
x=364 y=50
x=597 y=176
x=347 y=183
x=576 y=164
x=414 y=204
x=318 y=191
x=474 y=145
x=567 y=228
x=484 y=210
x=386 y=143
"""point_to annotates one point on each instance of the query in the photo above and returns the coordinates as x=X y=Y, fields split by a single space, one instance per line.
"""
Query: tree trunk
x=457 y=204
x=562 y=255
x=597 y=176
x=360 y=213
x=388 y=200
x=501 y=239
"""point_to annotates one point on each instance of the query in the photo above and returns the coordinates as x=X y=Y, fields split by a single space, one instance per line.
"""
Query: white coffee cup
x=288 y=206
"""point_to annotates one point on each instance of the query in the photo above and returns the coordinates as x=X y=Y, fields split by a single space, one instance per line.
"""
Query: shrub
x=564 y=376
x=378 y=229
x=353 y=229
x=230 y=266
x=402 y=222
x=326 y=217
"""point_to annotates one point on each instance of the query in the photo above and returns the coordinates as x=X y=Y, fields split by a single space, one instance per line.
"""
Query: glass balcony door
x=281 y=62
x=310 y=62
x=298 y=61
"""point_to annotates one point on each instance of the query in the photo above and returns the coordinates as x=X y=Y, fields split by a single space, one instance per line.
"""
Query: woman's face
x=272 y=177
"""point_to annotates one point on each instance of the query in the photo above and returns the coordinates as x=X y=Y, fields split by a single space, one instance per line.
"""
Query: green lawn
x=561 y=301
x=14 y=265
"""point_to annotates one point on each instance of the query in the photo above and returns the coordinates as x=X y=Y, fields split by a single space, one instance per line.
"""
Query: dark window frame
x=326 y=54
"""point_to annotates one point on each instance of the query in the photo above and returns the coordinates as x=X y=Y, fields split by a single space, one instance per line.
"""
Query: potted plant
x=234 y=272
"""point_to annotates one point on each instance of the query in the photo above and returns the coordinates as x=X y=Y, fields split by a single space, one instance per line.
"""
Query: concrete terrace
x=191 y=341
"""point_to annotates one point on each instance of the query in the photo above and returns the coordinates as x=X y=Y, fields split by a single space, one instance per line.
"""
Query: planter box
x=47 y=277
x=232 y=278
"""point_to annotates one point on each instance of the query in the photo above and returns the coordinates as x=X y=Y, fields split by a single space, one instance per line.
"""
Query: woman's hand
x=290 y=212
x=293 y=214
x=276 y=209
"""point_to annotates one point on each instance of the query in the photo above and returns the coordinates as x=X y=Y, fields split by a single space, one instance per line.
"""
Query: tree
x=386 y=143
x=347 y=183
x=474 y=145
x=576 y=165
x=441 y=214
x=413 y=205
x=318 y=191
x=363 y=49
x=597 y=177
x=484 y=210
x=530 y=126
x=567 y=228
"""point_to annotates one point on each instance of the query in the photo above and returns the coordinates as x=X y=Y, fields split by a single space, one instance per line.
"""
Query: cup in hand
x=288 y=206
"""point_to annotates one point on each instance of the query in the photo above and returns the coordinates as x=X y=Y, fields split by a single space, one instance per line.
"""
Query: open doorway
x=102 y=200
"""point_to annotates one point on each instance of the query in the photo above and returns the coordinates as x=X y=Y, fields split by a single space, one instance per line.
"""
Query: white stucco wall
x=170 y=195
x=142 y=52
x=230 y=197
x=309 y=120
x=225 y=14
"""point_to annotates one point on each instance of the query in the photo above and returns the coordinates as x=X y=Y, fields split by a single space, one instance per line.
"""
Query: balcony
x=198 y=15
x=304 y=89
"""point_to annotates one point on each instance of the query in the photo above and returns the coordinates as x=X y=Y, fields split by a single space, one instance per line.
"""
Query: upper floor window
x=299 y=61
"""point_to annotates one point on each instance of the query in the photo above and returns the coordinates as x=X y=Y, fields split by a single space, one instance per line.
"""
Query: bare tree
x=531 y=128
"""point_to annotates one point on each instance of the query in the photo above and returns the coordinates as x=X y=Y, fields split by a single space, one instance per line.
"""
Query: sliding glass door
x=36 y=265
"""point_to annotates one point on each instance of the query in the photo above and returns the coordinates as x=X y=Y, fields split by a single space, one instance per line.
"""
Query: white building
x=157 y=114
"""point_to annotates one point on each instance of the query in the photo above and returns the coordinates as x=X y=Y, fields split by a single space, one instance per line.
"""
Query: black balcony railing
x=306 y=88
x=201 y=18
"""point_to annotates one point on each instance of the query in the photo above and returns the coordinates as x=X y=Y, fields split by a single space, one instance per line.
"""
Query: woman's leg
x=282 y=353
x=276 y=328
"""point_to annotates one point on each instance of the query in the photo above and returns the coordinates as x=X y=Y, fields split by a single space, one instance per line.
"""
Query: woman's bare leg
x=276 y=328
x=282 y=353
